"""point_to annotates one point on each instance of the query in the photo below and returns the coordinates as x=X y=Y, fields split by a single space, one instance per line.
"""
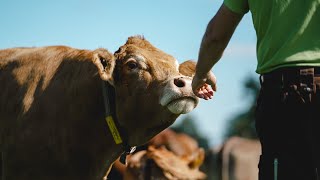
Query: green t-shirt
x=288 y=31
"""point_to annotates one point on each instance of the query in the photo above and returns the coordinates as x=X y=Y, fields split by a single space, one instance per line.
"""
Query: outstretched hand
x=204 y=87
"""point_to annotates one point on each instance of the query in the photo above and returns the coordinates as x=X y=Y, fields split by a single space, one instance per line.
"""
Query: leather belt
x=289 y=74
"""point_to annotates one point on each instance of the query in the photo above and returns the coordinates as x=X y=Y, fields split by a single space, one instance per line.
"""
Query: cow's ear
x=105 y=62
x=187 y=68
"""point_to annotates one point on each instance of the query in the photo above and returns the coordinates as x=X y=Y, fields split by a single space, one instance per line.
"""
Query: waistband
x=290 y=74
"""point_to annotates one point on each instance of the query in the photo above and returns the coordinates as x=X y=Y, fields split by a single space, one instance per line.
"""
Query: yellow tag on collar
x=114 y=131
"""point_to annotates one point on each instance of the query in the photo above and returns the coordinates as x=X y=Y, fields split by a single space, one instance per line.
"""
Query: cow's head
x=152 y=90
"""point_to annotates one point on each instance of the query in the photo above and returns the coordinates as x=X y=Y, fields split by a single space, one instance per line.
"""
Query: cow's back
x=13 y=85
x=31 y=78
x=18 y=66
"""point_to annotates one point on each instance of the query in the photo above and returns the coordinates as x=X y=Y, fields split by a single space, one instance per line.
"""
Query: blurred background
x=175 y=27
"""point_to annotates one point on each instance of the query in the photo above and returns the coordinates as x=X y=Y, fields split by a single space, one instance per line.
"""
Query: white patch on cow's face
x=179 y=100
x=181 y=106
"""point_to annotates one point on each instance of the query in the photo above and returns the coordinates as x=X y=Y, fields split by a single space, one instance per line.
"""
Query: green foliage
x=242 y=124
x=189 y=126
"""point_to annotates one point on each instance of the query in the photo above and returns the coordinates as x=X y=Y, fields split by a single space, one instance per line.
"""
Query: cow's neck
x=119 y=134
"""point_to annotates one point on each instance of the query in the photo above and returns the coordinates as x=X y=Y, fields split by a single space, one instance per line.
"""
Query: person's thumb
x=212 y=80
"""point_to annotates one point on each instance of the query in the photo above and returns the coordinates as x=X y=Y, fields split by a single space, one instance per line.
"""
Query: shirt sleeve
x=237 y=6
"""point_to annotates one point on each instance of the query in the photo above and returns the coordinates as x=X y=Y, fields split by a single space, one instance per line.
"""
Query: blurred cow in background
x=168 y=156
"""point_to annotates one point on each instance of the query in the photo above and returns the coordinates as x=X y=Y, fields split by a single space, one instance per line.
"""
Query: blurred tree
x=243 y=123
x=189 y=126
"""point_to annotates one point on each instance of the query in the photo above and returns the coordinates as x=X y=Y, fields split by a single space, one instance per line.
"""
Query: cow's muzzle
x=178 y=96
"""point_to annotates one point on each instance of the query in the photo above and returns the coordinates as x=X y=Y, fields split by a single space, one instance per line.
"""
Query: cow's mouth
x=182 y=105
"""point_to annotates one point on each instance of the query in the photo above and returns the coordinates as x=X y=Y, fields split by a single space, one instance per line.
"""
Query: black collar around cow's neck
x=119 y=134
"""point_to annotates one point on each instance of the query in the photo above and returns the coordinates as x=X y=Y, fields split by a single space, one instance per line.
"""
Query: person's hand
x=204 y=87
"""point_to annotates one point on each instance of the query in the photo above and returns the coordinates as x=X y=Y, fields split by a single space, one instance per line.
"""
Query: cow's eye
x=132 y=65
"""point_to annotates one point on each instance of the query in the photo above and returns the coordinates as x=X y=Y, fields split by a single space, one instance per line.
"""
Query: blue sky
x=176 y=27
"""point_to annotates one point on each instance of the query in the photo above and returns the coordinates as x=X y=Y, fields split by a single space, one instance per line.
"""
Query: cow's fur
x=169 y=155
x=52 y=113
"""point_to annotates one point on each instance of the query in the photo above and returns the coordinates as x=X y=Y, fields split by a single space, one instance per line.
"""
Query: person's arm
x=216 y=38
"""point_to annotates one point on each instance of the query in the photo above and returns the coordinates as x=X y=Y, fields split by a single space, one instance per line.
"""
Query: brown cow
x=160 y=163
x=52 y=114
x=169 y=156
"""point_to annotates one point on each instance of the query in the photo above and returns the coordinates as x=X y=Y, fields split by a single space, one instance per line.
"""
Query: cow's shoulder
x=27 y=73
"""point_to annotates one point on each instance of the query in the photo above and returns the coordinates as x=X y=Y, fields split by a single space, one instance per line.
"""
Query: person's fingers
x=200 y=95
x=206 y=92
x=204 y=87
x=208 y=89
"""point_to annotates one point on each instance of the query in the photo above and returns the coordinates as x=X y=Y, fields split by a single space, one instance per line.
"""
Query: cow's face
x=151 y=89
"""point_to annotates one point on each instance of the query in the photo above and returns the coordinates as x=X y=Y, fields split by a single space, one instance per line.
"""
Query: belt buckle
x=307 y=71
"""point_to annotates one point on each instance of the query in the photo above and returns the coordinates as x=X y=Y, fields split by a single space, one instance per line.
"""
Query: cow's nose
x=179 y=82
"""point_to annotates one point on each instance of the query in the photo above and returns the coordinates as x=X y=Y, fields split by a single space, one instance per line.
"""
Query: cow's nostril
x=179 y=82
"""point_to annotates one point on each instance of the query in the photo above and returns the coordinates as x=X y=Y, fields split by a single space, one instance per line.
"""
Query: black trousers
x=288 y=124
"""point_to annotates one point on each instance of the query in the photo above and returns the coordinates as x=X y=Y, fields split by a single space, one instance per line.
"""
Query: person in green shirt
x=288 y=54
